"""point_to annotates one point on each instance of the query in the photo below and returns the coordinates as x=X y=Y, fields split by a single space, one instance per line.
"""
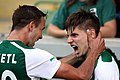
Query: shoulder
x=63 y=4
x=38 y=53
x=106 y=56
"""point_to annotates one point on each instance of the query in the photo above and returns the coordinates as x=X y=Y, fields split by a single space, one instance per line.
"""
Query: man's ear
x=91 y=32
x=31 y=26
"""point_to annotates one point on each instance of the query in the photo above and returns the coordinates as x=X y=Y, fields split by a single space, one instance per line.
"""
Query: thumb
x=89 y=35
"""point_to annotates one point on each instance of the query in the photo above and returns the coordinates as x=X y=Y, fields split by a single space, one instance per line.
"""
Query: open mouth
x=75 y=49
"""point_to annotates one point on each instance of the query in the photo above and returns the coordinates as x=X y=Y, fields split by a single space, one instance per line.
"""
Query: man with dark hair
x=77 y=26
x=20 y=61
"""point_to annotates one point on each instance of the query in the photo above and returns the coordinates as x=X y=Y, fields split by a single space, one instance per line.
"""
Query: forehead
x=77 y=29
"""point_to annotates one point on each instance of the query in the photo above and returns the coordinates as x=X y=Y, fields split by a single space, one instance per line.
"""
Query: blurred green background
x=7 y=8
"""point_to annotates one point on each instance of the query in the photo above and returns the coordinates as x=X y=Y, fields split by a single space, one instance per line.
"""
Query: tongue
x=75 y=51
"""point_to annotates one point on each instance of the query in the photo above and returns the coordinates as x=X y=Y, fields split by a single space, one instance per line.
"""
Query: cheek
x=83 y=43
x=39 y=34
x=35 y=35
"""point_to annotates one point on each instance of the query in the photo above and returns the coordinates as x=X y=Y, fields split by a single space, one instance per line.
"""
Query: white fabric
x=39 y=63
x=106 y=70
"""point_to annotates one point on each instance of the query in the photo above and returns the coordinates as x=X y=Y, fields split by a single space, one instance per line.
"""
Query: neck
x=17 y=35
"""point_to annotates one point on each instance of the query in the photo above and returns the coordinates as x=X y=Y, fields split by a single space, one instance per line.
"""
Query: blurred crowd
x=108 y=12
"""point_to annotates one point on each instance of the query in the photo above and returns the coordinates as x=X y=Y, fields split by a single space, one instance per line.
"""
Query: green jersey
x=20 y=62
x=106 y=68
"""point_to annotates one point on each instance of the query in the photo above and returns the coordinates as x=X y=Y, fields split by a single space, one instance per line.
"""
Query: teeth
x=75 y=49
x=73 y=46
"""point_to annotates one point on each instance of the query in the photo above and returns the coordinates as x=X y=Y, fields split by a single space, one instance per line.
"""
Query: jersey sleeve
x=41 y=64
x=60 y=16
x=106 y=70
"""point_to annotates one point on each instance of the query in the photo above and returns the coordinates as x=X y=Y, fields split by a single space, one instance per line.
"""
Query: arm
x=108 y=18
x=56 y=28
x=55 y=31
x=109 y=29
x=84 y=71
x=73 y=59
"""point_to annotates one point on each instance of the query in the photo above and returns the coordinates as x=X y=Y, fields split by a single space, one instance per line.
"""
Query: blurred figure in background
x=103 y=9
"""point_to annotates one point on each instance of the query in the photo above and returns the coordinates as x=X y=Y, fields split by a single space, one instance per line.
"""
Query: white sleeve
x=40 y=63
x=106 y=70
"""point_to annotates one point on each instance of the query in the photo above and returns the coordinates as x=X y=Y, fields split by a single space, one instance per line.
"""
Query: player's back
x=12 y=62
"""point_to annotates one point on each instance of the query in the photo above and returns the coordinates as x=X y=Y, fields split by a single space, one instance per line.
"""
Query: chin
x=30 y=45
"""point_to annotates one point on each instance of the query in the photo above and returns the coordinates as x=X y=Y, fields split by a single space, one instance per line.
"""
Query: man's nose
x=69 y=40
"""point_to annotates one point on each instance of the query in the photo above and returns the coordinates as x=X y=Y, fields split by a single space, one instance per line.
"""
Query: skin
x=30 y=34
x=36 y=33
x=109 y=29
x=78 y=38
x=54 y=31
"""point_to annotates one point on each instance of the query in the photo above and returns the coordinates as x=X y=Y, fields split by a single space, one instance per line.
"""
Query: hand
x=95 y=43
x=65 y=32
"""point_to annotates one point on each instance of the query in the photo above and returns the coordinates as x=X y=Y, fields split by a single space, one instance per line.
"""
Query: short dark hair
x=24 y=15
x=83 y=20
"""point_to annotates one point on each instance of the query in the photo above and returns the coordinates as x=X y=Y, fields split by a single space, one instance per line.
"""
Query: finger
x=99 y=35
x=102 y=41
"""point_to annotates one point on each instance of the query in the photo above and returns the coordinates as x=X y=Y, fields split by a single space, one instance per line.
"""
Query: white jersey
x=106 y=68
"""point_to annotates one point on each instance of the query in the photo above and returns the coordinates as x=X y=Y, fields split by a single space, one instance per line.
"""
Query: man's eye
x=74 y=35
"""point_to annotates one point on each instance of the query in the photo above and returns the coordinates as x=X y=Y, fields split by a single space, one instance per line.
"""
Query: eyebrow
x=72 y=34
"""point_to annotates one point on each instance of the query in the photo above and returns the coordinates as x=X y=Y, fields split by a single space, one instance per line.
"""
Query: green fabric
x=106 y=57
x=8 y=63
x=105 y=12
